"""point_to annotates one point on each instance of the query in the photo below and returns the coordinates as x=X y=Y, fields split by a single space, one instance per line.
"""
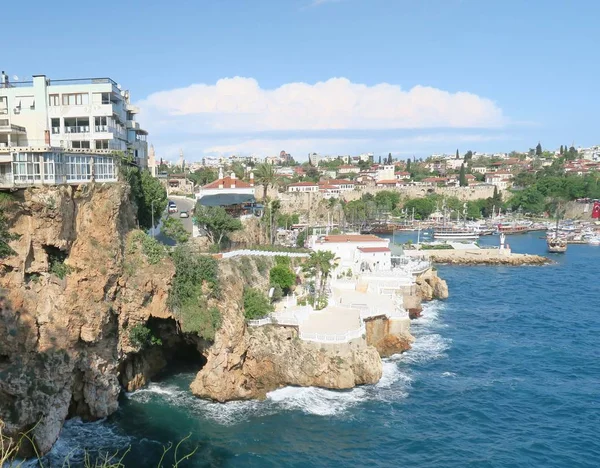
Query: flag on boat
x=596 y=210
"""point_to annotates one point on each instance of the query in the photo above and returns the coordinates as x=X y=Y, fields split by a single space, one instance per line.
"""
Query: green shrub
x=196 y=280
x=142 y=337
x=56 y=262
x=283 y=277
x=436 y=247
x=174 y=228
x=152 y=249
x=262 y=264
x=256 y=304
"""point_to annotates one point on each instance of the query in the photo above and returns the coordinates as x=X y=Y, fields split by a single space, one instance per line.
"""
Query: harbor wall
x=310 y=201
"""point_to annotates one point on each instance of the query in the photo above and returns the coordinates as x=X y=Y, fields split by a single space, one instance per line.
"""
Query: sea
x=505 y=373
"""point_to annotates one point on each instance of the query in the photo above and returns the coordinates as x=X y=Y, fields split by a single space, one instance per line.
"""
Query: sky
x=407 y=77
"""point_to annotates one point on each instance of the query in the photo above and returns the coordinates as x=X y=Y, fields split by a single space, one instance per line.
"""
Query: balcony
x=133 y=109
x=133 y=124
x=10 y=128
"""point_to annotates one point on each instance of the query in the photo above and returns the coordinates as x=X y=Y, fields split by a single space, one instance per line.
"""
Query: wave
x=430 y=316
x=77 y=437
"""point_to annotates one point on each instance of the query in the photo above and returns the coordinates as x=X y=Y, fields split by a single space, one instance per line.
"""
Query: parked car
x=184 y=214
x=172 y=207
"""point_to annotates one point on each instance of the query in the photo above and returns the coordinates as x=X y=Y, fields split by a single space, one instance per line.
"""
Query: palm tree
x=320 y=264
x=265 y=176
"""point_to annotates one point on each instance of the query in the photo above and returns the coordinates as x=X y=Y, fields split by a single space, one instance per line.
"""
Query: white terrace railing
x=333 y=337
x=262 y=253
x=259 y=322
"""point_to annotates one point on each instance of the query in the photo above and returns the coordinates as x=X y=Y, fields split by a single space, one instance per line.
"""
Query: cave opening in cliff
x=182 y=351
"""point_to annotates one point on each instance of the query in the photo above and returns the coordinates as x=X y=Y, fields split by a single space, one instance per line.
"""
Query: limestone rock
x=62 y=340
x=246 y=363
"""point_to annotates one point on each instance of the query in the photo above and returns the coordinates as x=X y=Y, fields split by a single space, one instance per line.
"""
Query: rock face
x=62 y=340
x=248 y=362
x=430 y=286
x=389 y=336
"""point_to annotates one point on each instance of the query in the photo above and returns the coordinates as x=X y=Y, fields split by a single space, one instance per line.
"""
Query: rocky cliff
x=247 y=362
x=68 y=296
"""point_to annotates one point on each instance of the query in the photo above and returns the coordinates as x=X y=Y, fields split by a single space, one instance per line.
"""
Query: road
x=183 y=204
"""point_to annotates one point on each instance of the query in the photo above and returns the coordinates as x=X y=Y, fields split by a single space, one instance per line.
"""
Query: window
x=55 y=124
x=80 y=144
x=102 y=144
x=78 y=167
x=101 y=98
x=26 y=168
x=101 y=124
x=104 y=168
x=80 y=99
x=53 y=100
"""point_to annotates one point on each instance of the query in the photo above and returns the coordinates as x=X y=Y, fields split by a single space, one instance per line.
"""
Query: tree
x=282 y=276
x=379 y=159
x=148 y=194
x=319 y=265
x=203 y=176
x=538 y=149
x=5 y=235
x=389 y=161
x=562 y=150
x=387 y=200
x=457 y=155
x=462 y=177
x=468 y=156
x=216 y=222
x=408 y=165
x=265 y=176
x=256 y=304
x=174 y=228
x=423 y=207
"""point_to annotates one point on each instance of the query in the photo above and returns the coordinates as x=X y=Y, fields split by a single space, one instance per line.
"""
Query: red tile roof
x=387 y=182
x=353 y=238
x=374 y=249
x=303 y=184
x=227 y=182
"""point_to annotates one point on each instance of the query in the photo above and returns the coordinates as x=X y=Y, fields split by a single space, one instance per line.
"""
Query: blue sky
x=409 y=77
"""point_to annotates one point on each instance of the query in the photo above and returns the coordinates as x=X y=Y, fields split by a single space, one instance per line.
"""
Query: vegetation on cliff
x=5 y=236
x=148 y=194
x=281 y=277
x=216 y=222
x=195 y=283
x=256 y=304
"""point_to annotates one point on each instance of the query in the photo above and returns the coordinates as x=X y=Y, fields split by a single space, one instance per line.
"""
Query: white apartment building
x=303 y=187
x=65 y=131
x=385 y=172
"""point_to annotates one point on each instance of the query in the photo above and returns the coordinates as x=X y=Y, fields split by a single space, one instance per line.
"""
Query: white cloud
x=241 y=105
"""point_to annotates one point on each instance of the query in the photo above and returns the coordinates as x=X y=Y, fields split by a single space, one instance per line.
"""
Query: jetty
x=479 y=257
x=458 y=253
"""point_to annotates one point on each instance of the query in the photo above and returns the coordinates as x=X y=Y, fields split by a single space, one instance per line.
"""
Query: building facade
x=66 y=131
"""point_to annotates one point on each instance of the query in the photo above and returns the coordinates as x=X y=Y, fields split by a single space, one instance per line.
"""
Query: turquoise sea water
x=506 y=372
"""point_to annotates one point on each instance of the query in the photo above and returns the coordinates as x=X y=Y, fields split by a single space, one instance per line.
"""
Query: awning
x=226 y=199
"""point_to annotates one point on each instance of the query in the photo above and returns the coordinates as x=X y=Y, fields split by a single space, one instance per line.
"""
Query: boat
x=594 y=240
x=515 y=227
x=454 y=233
x=557 y=245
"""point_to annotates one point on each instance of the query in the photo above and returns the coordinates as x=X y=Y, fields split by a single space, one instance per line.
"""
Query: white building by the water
x=65 y=131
